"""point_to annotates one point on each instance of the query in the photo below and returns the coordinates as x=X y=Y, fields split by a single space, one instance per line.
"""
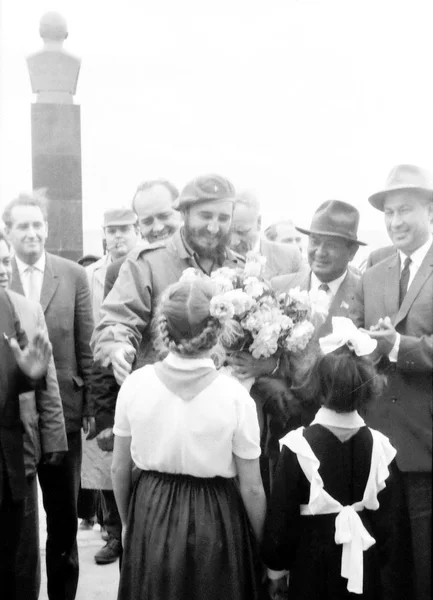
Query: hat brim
x=331 y=234
x=377 y=200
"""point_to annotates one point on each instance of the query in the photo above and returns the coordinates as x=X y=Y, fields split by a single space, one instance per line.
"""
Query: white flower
x=222 y=283
x=241 y=301
x=254 y=265
x=190 y=274
x=319 y=301
x=301 y=298
x=301 y=334
x=221 y=308
x=265 y=343
x=253 y=287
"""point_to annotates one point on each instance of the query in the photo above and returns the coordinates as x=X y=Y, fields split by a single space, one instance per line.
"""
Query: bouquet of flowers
x=254 y=317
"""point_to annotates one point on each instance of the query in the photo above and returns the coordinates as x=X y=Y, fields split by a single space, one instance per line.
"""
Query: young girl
x=191 y=431
x=337 y=518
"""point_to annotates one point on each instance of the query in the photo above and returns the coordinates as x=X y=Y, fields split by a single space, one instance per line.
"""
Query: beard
x=205 y=244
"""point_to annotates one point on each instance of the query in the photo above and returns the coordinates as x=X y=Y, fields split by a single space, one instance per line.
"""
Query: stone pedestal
x=56 y=167
x=56 y=137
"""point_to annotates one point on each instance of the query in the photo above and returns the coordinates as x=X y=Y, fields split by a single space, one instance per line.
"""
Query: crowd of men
x=98 y=320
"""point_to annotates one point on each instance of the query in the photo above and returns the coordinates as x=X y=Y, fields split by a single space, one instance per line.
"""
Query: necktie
x=404 y=278
x=32 y=287
x=324 y=287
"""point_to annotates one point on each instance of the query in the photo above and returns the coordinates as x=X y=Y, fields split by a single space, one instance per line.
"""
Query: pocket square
x=344 y=305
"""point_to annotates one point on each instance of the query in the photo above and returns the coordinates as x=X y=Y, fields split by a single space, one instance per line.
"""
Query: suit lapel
x=49 y=284
x=16 y=285
x=423 y=274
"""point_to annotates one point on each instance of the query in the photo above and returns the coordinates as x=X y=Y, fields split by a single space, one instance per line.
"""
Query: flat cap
x=205 y=188
x=119 y=216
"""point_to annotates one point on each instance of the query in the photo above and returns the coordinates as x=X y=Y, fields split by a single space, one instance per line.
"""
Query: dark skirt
x=188 y=538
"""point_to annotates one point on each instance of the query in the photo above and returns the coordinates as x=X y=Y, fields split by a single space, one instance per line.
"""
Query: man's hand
x=34 y=359
x=89 y=427
x=245 y=365
x=121 y=361
x=105 y=439
x=385 y=335
x=53 y=458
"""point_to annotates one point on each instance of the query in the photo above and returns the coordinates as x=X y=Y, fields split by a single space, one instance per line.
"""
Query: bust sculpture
x=53 y=71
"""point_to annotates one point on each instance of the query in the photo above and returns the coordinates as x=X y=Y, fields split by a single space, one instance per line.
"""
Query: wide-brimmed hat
x=337 y=219
x=119 y=216
x=205 y=188
x=404 y=177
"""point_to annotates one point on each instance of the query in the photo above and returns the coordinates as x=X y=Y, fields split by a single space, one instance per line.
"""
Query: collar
x=39 y=264
x=419 y=255
x=258 y=245
x=188 y=364
x=330 y=418
x=333 y=285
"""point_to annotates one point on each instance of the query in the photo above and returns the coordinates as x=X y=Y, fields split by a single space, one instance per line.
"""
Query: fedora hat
x=335 y=218
x=206 y=188
x=404 y=177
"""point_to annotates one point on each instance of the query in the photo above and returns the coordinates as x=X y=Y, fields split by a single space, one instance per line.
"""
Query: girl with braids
x=188 y=525
x=337 y=515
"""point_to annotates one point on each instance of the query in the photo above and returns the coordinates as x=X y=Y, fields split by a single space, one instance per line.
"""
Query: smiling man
x=123 y=333
x=153 y=204
x=395 y=303
x=332 y=244
x=61 y=287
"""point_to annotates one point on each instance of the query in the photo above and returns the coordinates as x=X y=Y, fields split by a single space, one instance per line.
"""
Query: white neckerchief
x=333 y=285
x=416 y=257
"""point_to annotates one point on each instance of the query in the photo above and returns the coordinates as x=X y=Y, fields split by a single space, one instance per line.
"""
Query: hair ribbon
x=344 y=332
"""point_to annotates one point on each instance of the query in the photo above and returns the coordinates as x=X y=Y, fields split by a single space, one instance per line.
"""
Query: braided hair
x=183 y=322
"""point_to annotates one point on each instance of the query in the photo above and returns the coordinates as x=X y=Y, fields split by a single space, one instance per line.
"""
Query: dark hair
x=147 y=185
x=37 y=198
x=183 y=321
x=340 y=380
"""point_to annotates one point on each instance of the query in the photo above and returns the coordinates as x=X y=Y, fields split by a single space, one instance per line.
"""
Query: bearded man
x=123 y=335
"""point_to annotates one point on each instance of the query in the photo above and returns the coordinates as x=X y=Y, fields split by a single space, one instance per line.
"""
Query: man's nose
x=157 y=225
x=321 y=250
x=396 y=220
x=213 y=227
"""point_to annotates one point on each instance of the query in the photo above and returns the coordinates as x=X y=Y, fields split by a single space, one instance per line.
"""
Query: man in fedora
x=394 y=302
x=124 y=331
x=332 y=244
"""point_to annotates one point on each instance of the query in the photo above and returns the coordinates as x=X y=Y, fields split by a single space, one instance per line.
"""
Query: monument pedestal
x=56 y=167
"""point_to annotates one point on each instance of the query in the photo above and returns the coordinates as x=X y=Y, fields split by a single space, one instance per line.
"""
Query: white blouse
x=196 y=437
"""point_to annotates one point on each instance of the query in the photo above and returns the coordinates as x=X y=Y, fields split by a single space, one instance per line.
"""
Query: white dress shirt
x=24 y=271
x=417 y=258
x=333 y=285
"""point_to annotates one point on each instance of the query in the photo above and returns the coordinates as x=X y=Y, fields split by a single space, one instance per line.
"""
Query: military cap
x=119 y=216
x=205 y=188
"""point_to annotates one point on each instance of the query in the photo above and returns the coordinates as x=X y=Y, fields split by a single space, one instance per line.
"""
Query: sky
x=299 y=101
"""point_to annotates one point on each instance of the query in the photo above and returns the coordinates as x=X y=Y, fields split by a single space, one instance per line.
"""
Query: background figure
x=44 y=436
x=195 y=432
x=62 y=289
x=158 y=220
x=284 y=232
x=357 y=492
x=246 y=236
x=394 y=301
x=121 y=236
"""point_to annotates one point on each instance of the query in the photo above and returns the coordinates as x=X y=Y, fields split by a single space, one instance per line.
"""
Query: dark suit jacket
x=340 y=304
x=281 y=259
x=404 y=412
x=41 y=411
x=380 y=254
x=12 y=383
x=65 y=300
